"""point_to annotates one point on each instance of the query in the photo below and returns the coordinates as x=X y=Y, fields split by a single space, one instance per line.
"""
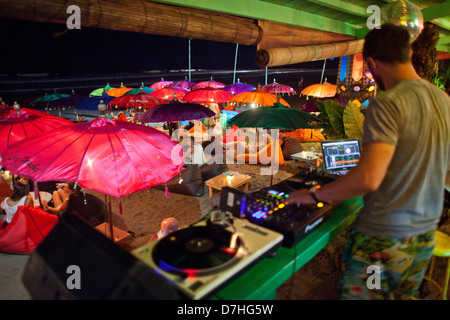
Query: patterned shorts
x=384 y=268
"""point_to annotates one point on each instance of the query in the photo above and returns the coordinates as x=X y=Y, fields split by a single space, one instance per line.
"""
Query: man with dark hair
x=401 y=173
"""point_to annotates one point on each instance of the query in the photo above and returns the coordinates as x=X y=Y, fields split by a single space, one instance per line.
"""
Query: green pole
x=266 y=78
x=190 y=59
x=235 y=63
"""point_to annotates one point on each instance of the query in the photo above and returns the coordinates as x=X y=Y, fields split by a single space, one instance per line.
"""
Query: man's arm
x=367 y=176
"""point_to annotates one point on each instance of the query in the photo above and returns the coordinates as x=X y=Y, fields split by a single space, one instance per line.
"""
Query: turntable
x=201 y=258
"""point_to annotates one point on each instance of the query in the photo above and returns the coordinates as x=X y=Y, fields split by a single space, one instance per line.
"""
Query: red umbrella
x=209 y=84
x=5 y=110
x=276 y=87
x=25 y=123
x=112 y=157
x=161 y=84
x=208 y=95
x=143 y=100
x=169 y=94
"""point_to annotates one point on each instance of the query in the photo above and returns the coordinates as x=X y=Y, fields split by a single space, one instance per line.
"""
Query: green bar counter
x=261 y=280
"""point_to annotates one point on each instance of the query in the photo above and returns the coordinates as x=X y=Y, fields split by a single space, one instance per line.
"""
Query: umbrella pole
x=111 y=231
x=266 y=77
x=323 y=69
x=274 y=142
x=235 y=62
x=38 y=195
x=189 y=59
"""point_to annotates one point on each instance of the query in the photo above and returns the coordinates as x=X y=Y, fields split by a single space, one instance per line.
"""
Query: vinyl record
x=196 y=250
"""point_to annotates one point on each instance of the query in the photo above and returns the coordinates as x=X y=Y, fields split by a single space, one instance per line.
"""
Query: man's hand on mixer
x=298 y=197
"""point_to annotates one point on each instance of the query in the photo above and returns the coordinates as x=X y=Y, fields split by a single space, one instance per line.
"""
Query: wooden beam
x=293 y=55
x=276 y=35
x=139 y=16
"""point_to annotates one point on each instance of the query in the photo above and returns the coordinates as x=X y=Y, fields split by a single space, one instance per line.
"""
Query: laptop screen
x=339 y=155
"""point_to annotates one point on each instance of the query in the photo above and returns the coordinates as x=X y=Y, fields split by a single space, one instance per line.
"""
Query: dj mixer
x=266 y=207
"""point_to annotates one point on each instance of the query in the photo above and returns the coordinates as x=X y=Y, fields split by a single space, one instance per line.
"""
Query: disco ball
x=404 y=13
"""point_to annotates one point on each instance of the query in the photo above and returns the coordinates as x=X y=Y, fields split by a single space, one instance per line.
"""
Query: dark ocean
x=23 y=88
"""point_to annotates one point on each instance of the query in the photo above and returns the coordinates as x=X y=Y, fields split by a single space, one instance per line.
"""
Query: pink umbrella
x=169 y=94
x=25 y=123
x=161 y=84
x=112 y=157
x=116 y=158
x=209 y=84
x=141 y=99
x=276 y=87
x=208 y=95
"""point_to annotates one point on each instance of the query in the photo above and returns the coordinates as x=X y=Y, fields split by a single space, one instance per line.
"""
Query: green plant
x=342 y=122
x=442 y=77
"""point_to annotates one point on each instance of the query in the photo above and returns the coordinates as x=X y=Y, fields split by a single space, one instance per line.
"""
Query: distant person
x=120 y=116
x=20 y=197
x=134 y=116
x=61 y=198
x=300 y=83
x=168 y=226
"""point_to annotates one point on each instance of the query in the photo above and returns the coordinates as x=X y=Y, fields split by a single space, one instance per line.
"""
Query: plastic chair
x=441 y=249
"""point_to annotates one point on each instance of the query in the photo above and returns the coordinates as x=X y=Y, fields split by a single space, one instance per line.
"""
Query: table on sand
x=220 y=181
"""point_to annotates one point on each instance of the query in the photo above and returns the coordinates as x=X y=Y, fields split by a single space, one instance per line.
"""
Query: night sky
x=39 y=47
x=88 y=53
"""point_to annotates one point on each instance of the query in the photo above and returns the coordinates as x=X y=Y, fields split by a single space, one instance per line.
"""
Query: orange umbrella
x=258 y=96
x=169 y=94
x=117 y=92
x=321 y=90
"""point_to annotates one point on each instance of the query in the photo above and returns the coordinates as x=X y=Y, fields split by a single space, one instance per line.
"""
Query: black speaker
x=233 y=201
x=76 y=262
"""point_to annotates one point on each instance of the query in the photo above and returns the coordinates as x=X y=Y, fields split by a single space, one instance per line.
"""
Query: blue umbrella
x=226 y=115
x=93 y=102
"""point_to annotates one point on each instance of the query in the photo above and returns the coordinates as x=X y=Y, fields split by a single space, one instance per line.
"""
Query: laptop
x=340 y=155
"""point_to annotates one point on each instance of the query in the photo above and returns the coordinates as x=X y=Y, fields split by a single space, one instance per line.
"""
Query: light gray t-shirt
x=415 y=117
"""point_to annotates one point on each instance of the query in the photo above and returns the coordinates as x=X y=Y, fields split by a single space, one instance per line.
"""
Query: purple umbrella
x=239 y=87
x=185 y=84
x=176 y=111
